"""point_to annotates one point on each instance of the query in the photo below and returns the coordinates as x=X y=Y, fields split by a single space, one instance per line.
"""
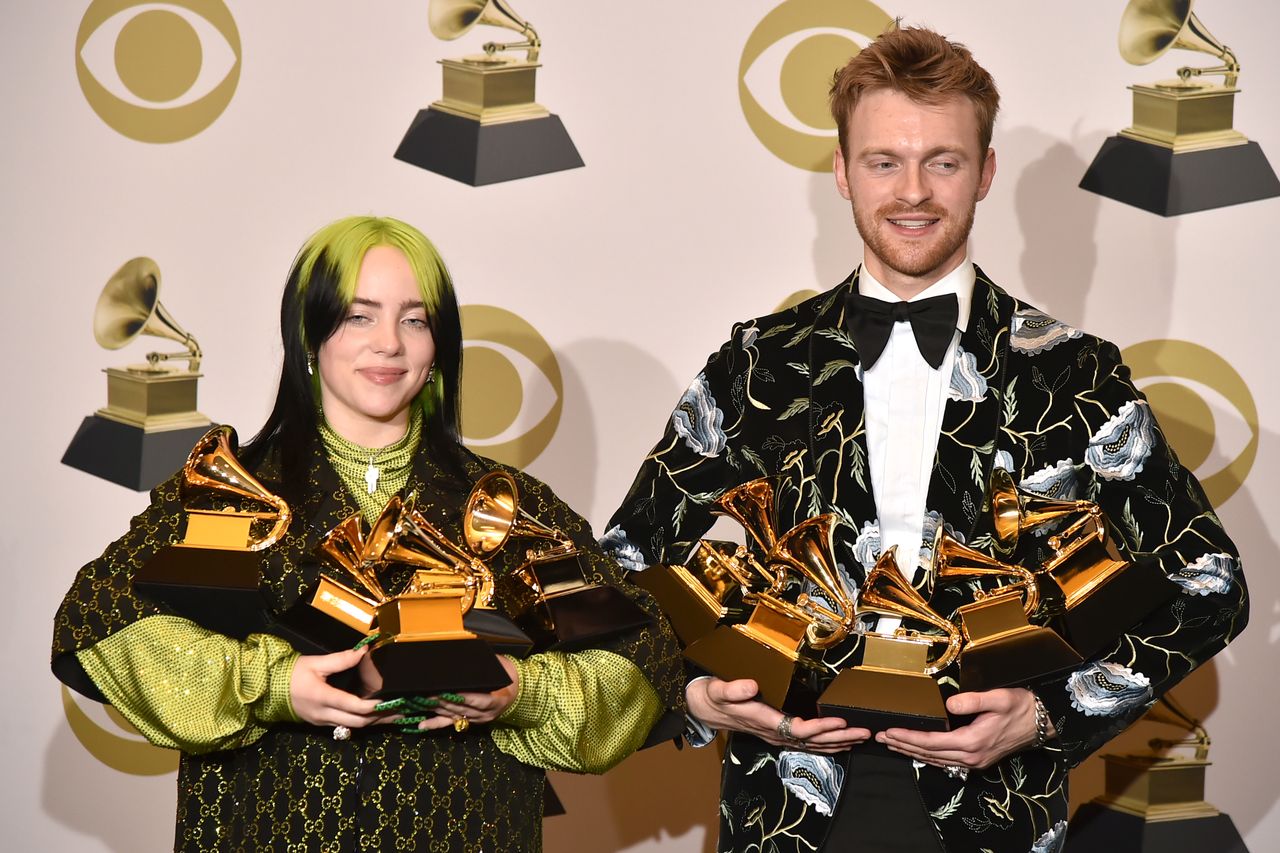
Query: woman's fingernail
x=452 y=697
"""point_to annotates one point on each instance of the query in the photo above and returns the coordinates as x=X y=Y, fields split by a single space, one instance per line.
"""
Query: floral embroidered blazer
x=1050 y=404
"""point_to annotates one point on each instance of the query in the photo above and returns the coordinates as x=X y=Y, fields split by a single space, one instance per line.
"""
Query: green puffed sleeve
x=185 y=687
x=581 y=711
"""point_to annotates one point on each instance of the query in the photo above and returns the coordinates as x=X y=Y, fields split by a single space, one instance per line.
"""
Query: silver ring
x=341 y=733
x=784 y=728
x=955 y=771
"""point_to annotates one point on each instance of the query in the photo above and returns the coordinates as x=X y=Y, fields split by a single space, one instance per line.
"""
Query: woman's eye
x=357 y=319
x=416 y=322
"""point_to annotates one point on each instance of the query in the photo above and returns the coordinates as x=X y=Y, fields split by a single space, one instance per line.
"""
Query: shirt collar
x=959 y=281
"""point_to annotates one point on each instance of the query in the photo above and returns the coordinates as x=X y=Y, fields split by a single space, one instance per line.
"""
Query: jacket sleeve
x=1160 y=515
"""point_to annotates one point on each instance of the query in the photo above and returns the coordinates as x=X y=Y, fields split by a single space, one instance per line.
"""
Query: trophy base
x=1160 y=180
x=692 y=611
x=428 y=667
x=574 y=620
x=1097 y=620
x=1098 y=827
x=477 y=154
x=128 y=455
x=879 y=699
x=217 y=588
x=328 y=618
x=730 y=654
x=498 y=631
x=1019 y=658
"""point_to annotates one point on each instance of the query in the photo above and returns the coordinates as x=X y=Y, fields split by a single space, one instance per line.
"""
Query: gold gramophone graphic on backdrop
x=708 y=589
x=779 y=637
x=487 y=127
x=212 y=576
x=1155 y=800
x=150 y=421
x=1001 y=647
x=1182 y=153
x=894 y=685
x=1089 y=593
x=549 y=594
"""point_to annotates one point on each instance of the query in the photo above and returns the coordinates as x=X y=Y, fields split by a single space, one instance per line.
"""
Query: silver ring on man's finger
x=955 y=771
x=784 y=728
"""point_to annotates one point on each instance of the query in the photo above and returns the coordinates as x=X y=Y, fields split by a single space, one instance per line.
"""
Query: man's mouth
x=912 y=223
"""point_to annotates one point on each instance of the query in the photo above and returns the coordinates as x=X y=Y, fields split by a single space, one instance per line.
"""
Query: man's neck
x=904 y=286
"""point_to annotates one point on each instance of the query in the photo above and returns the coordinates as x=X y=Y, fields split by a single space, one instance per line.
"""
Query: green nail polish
x=389 y=705
x=412 y=719
x=452 y=697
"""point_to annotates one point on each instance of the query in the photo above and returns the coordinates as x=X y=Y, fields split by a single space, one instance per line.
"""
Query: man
x=896 y=429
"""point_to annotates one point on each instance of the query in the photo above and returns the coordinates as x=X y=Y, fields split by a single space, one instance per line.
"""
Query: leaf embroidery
x=776 y=330
x=799 y=367
x=798 y=405
x=950 y=808
x=831 y=369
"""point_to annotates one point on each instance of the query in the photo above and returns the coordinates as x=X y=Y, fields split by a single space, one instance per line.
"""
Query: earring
x=311 y=365
x=431 y=373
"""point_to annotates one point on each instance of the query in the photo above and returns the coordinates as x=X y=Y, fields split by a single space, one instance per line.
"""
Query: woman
x=367 y=408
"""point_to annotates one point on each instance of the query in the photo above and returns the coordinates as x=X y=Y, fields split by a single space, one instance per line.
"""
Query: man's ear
x=988 y=174
x=842 y=176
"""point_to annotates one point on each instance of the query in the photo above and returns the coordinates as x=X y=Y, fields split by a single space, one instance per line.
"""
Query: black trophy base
x=502 y=635
x=428 y=667
x=1156 y=179
x=476 y=154
x=575 y=620
x=1096 y=827
x=126 y=455
x=729 y=654
x=217 y=588
x=1095 y=622
x=878 y=699
x=1023 y=657
x=313 y=632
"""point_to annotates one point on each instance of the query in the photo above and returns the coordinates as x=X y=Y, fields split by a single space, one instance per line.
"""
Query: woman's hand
x=473 y=707
x=317 y=702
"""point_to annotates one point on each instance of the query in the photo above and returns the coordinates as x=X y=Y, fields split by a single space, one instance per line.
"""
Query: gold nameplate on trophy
x=1001 y=647
x=212 y=576
x=894 y=686
x=1089 y=593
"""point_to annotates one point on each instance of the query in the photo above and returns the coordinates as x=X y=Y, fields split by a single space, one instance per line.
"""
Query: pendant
x=371 y=477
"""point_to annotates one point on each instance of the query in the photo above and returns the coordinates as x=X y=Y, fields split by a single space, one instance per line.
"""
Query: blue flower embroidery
x=1209 y=573
x=1034 y=332
x=616 y=544
x=967 y=383
x=1107 y=689
x=1054 y=481
x=815 y=779
x=698 y=420
x=1051 y=841
x=1120 y=449
x=1004 y=460
x=867 y=546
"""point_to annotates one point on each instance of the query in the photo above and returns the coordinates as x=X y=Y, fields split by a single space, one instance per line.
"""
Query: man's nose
x=913 y=185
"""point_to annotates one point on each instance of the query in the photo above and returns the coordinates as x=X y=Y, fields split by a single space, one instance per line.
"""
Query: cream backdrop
x=614 y=282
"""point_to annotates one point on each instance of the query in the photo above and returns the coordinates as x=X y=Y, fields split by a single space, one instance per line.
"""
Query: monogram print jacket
x=1053 y=406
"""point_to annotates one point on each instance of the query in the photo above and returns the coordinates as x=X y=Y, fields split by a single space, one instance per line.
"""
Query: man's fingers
x=807 y=729
x=741 y=690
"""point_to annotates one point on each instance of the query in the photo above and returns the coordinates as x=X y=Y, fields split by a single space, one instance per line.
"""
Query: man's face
x=914 y=174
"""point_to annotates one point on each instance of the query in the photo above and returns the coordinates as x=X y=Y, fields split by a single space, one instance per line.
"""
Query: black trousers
x=880 y=809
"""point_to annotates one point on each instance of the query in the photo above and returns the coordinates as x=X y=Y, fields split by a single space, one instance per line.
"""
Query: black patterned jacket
x=1050 y=404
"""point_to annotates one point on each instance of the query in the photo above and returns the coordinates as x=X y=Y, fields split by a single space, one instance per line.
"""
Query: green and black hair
x=320 y=289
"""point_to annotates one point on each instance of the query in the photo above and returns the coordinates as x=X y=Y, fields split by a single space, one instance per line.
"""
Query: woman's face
x=377 y=361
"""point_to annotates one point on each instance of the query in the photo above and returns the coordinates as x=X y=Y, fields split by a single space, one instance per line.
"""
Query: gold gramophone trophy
x=708 y=588
x=1155 y=800
x=1181 y=154
x=487 y=128
x=894 y=685
x=1088 y=593
x=1001 y=647
x=549 y=593
x=212 y=576
x=780 y=637
x=423 y=646
x=150 y=421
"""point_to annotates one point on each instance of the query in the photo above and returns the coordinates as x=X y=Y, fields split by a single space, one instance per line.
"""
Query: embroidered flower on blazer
x=698 y=420
x=967 y=383
x=1209 y=573
x=1035 y=332
x=867 y=546
x=1107 y=689
x=1058 y=481
x=1004 y=460
x=815 y=779
x=1120 y=449
x=1051 y=841
x=624 y=552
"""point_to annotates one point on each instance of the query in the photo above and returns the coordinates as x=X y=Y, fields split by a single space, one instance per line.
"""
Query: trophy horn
x=954 y=561
x=1014 y=510
x=1150 y=28
x=402 y=535
x=886 y=592
x=212 y=468
x=752 y=505
x=451 y=19
x=344 y=546
x=129 y=306
x=493 y=515
x=807 y=550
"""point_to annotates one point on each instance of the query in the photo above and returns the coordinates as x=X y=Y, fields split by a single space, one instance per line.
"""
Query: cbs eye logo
x=512 y=389
x=158 y=72
x=113 y=740
x=1205 y=409
x=786 y=68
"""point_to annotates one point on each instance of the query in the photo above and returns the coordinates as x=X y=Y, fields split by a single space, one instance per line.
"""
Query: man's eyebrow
x=954 y=150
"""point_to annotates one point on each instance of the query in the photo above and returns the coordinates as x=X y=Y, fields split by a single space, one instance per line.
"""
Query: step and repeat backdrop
x=213 y=136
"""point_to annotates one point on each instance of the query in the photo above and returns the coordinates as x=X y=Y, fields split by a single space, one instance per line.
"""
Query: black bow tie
x=933 y=322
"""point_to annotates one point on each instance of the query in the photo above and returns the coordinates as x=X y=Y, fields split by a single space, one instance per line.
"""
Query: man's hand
x=317 y=702
x=732 y=705
x=1005 y=724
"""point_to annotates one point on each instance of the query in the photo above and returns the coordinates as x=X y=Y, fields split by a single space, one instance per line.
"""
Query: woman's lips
x=382 y=375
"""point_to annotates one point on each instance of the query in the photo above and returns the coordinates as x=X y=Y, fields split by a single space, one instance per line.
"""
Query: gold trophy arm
x=283 y=515
x=954 y=641
x=843 y=623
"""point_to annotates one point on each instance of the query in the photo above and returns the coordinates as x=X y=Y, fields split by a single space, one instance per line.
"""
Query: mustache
x=893 y=211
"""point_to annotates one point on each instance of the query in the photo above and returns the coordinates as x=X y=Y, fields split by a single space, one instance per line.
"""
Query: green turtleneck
x=373 y=474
